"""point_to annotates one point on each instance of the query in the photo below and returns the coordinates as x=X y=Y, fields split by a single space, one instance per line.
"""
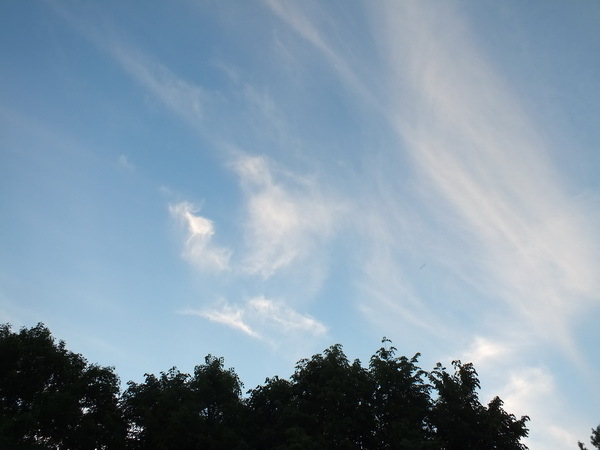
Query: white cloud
x=230 y=315
x=486 y=351
x=199 y=248
x=526 y=388
x=280 y=316
x=286 y=218
x=490 y=179
x=262 y=318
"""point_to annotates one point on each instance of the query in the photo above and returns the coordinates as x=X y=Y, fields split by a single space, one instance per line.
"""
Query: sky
x=259 y=180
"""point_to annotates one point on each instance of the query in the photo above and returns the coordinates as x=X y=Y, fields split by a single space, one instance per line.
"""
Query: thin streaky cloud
x=485 y=158
x=283 y=317
x=295 y=17
x=181 y=97
x=231 y=316
x=387 y=294
x=262 y=318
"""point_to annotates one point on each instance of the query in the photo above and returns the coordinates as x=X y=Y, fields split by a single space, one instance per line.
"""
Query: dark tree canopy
x=176 y=410
x=51 y=398
x=594 y=438
x=462 y=422
x=400 y=402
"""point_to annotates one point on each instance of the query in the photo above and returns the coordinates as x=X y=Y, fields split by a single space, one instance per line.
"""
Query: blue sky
x=260 y=180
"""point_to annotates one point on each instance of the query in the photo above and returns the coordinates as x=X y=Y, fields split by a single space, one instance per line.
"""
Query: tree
x=160 y=411
x=462 y=422
x=594 y=438
x=271 y=409
x=333 y=400
x=326 y=404
x=330 y=403
x=218 y=394
x=401 y=401
x=51 y=398
x=179 y=411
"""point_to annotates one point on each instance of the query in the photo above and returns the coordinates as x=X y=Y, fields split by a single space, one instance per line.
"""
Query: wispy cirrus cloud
x=262 y=318
x=305 y=27
x=488 y=168
x=198 y=247
x=181 y=97
x=505 y=222
x=286 y=220
x=230 y=315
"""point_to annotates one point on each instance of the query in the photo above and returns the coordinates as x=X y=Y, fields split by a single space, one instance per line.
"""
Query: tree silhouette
x=401 y=401
x=177 y=410
x=594 y=438
x=272 y=412
x=52 y=398
x=462 y=422
x=332 y=400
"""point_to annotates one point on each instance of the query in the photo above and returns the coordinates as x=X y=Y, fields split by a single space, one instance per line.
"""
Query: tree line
x=52 y=398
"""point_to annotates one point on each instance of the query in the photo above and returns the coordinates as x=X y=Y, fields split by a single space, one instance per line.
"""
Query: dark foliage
x=51 y=398
x=594 y=438
x=462 y=422
x=176 y=410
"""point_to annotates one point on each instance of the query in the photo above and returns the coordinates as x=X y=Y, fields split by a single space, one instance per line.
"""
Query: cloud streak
x=305 y=27
x=262 y=318
x=484 y=159
x=183 y=98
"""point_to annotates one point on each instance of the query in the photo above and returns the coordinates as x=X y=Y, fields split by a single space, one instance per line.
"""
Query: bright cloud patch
x=199 y=248
x=232 y=316
x=486 y=351
x=533 y=391
x=262 y=318
x=285 y=221
x=527 y=387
